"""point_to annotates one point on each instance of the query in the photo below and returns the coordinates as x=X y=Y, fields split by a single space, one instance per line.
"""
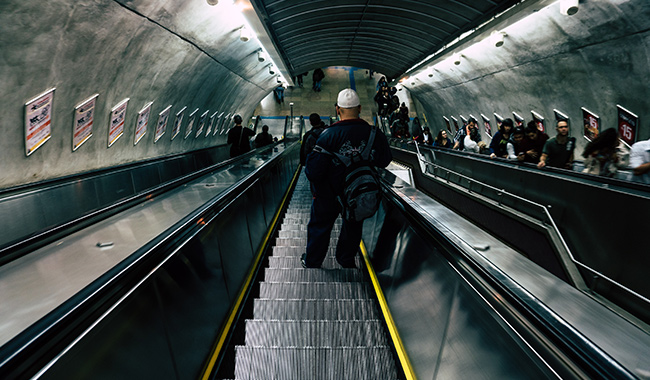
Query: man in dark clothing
x=310 y=138
x=348 y=136
x=264 y=138
x=533 y=143
x=317 y=77
x=238 y=137
x=558 y=150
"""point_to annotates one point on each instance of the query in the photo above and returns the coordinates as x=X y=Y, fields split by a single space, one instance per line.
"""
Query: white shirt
x=639 y=155
x=471 y=145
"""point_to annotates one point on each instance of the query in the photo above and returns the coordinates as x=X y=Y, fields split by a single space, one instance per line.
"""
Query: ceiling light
x=569 y=7
x=260 y=56
x=456 y=58
x=244 y=34
x=497 y=38
x=271 y=70
x=212 y=2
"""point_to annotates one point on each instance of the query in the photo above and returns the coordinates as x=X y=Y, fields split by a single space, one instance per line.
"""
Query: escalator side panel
x=447 y=329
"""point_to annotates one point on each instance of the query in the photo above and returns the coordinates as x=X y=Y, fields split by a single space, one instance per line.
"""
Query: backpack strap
x=343 y=159
x=365 y=155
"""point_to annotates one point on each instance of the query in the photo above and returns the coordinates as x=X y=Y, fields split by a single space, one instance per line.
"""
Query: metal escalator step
x=293 y=261
x=297 y=242
x=336 y=309
x=314 y=290
x=312 y=275
x=314 y=363
x=322 y=333
x=297 y=251
x=301 y=227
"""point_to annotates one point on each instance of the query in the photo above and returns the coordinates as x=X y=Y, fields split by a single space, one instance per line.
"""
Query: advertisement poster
x=38 y=120
x=519 y=121
x=487 y=125
x=116 y=124
x=447 y=123
x=141 y=123
x=190 y=123
x=591 y=123
x=161 y=127
x=213 y=124
x=499 y=120
x=217 y=123
x=84 y=114
x=539 y=121
x=560 y=116
x=464 y=120
x=202 y=121
x=455 y=123
x=628 y=124
x=177 y=123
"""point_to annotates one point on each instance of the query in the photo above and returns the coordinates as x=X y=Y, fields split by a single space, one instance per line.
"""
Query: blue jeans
x=317 y=85
x=324 y=212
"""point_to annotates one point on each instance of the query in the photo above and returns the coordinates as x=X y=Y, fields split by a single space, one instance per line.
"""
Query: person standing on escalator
x=238 y=138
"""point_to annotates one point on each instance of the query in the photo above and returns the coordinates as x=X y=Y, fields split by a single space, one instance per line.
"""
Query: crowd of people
x=604 y=155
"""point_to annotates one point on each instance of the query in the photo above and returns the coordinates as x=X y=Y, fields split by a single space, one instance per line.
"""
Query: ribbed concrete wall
x=169 y=52
x=597 y=58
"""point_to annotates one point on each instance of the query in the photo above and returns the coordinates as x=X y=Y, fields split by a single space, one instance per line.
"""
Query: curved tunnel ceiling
x=388 y=36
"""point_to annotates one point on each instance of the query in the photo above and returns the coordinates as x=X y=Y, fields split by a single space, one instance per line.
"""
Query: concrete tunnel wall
x=171 y=53
x=189 y=54
x=596 y=59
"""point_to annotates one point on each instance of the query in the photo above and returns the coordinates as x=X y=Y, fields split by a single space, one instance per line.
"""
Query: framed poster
x=519 y=121
x=447 y=123
x=38 y=121
x=227 y=123
x=539 y=121
x=217 y=123
x=177 y=123
x=560 y=116
x=84 y=114
x=190 y=124
x=591 y=123
x=499 y=120
x=116 y=122
x=628 y=124
x=161 y=127
x=464 y=120
x=202 y=121
x=487 y=125
x=223 y=123
x=211 y=125
x=455 y=123
x=141 y=123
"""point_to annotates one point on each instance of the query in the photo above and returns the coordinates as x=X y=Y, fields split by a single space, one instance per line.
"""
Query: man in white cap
x=346 y=137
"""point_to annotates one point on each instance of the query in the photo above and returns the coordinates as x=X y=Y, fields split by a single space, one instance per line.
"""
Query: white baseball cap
x=348 y=98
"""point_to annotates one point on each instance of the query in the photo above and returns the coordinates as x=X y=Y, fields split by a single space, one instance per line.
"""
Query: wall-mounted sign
x=202 y=121
x=116 y=122
x=212 y=125
x=141 y=123
x=487 y=125
x=447 y=123
x=560 y=116
x=499 y=120
x=539 y=121
x=226 y=124
x=591 y=123
x=455 y=121
x=84 y=114
x=464 y=120
x=217 y=123
x=177 y=123
x=161 y=127
x=628 y=123
x=519 y=121
x=38 y=120
x=190 y=123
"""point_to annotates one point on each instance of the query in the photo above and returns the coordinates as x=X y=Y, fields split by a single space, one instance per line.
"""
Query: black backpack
x=361 y=193
x=309 y=142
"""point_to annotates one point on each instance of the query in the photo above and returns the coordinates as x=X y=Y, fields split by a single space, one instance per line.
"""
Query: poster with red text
x=116 y=124
x=539 y=121
x=178 y=122
x=628 y=124
x=487 y=125
x=141 y=123
x=161 y=127
x=84 y=114
x=38 y=120
x=591 y=123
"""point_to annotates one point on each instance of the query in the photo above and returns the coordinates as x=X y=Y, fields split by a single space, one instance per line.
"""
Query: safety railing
x=530 y=208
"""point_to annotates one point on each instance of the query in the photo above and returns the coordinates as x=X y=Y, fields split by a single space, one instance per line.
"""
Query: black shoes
x=302 y=260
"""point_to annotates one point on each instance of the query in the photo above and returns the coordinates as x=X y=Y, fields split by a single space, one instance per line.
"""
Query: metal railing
x=499 y=195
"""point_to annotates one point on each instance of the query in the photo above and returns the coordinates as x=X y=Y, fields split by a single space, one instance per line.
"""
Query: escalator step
x=315 y=363
x=302 y=227
x=319 y=333
x=296 y=251
x=312 y=275
x=297 y=242
x=293 y=261
x=314 y=290
x=338 y=309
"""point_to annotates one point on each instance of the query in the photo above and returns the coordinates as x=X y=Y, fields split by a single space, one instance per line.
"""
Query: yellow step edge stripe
x=242 y=292
x=397 y=341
